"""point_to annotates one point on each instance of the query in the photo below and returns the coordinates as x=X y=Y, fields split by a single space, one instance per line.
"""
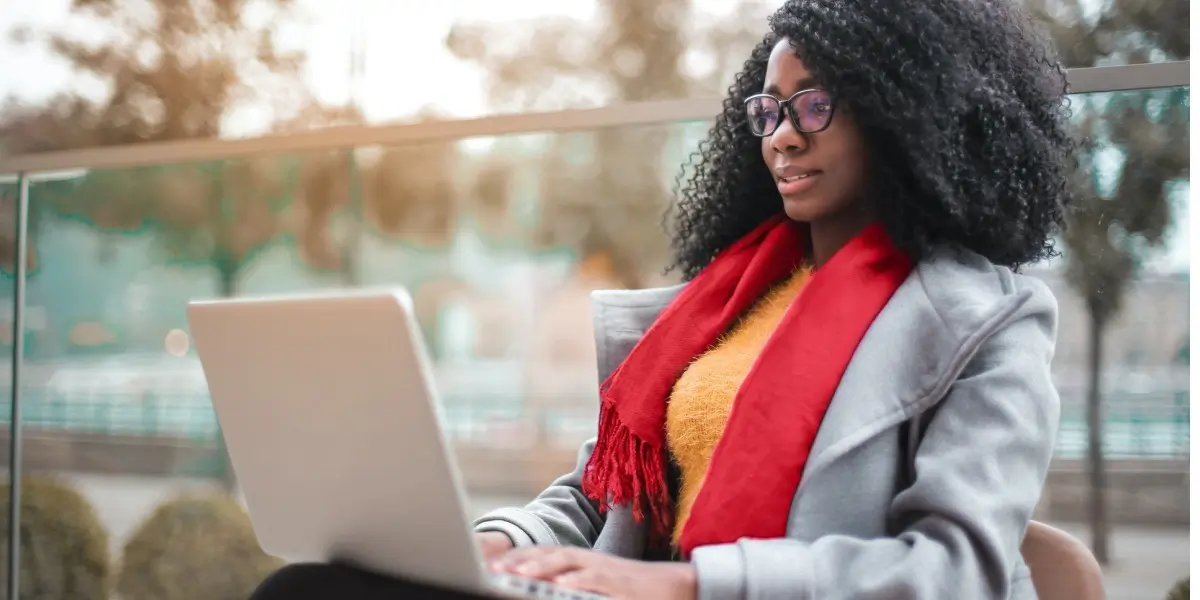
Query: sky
x=406 y=64
x=406 y=59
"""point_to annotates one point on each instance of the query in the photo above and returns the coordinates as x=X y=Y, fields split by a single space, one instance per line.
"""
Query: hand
x=493 y=544
x=601 y=573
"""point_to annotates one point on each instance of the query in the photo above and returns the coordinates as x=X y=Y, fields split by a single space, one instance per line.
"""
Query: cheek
x=767 y=153
x=848 y=156
x=849 y=152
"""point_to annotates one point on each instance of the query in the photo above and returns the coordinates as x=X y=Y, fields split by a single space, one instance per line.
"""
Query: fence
x=145 y=398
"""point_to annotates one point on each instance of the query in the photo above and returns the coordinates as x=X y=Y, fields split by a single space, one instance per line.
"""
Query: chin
x=804 y=210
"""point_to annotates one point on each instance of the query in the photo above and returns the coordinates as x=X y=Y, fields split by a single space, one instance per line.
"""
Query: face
x=819 y=174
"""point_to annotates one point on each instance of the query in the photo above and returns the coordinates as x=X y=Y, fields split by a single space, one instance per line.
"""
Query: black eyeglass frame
x=786 y=107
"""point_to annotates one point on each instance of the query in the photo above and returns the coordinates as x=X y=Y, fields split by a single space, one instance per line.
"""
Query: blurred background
x=402 y=180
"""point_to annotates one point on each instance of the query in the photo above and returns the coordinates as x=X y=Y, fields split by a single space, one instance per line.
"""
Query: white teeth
x=795 y=178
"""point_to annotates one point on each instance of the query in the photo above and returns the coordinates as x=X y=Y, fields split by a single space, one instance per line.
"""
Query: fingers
x=493 y=544
x=546 y=562
x=588 y=580
x=574 y=568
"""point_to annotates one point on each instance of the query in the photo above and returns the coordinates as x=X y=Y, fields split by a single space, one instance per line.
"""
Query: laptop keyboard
x=536 y=588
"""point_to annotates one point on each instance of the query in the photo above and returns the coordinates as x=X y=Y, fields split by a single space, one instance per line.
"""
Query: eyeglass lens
x=812 y=110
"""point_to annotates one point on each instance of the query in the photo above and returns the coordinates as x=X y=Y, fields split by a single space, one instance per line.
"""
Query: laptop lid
x=328 y=410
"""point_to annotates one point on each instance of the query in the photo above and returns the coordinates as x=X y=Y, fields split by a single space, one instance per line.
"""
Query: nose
x=786 y=140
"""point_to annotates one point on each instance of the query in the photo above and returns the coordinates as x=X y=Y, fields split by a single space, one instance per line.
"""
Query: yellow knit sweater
x=703 y=397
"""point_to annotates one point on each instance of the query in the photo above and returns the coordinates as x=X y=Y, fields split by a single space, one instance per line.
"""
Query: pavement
x=1146 y=560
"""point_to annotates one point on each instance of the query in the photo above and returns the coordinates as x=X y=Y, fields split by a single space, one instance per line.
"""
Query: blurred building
x=1148 y=337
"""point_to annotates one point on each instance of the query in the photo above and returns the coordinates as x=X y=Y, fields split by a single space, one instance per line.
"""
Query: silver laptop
x=328 y=409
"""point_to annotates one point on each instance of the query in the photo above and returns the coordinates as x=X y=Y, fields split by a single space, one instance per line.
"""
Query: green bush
x=1182 y=590
x=64 y=547
x=194 y=548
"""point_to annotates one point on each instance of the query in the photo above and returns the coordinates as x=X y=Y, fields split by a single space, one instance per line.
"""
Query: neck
x=831 y=233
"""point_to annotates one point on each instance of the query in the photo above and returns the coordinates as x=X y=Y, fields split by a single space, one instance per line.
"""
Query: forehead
x=785 y=70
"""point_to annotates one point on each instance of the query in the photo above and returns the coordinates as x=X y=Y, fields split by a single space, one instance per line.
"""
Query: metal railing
x=1136 y=426
x=1082 y=81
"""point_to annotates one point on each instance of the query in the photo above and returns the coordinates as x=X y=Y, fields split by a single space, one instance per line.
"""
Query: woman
x=851 y=395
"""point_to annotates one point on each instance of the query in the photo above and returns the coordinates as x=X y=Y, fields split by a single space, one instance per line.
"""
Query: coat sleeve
x=561 y=515
x=979 y=471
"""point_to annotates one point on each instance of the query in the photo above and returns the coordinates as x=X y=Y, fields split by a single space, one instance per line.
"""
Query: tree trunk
x=350 y=275
x=1095 y=414
x=226 y=287
x=226 y=281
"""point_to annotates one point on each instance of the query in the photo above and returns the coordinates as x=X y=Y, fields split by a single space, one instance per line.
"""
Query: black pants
x=312 y=581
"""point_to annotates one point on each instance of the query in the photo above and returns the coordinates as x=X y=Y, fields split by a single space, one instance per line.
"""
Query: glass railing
x=499 y=239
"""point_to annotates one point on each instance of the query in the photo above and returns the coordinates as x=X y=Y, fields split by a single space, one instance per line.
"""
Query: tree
x=491 y=194
x=8 y=233
x=1134 y=150
x=173 y=70
x=328 y=182
x=404 y=191
x=324 y=188
x=1122 y=32
x=410 y=192
x=589 y=208
x=604 y=192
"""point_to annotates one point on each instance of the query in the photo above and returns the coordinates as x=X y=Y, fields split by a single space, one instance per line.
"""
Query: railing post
x=18 y=356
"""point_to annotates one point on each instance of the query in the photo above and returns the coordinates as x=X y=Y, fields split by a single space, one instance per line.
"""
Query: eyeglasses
x=810 y=112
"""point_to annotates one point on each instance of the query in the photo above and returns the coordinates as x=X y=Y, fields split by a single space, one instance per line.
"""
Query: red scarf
x=756 y=466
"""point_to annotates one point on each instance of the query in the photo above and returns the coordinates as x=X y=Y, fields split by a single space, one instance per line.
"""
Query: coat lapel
x=896 y=362
x=904 y=365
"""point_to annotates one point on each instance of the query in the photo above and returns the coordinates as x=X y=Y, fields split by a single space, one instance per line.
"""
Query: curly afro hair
x=964 y=112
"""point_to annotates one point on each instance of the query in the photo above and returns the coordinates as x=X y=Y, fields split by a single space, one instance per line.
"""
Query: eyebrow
x=804 y=83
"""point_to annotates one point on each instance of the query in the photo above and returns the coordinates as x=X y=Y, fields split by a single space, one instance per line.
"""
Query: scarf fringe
x=625 y=469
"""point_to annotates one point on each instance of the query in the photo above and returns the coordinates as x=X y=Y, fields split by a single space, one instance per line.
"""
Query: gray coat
x=923 y=475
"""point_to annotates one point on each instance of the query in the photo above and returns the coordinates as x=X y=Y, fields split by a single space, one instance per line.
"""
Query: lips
x=791 y=174
x=794 y=181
